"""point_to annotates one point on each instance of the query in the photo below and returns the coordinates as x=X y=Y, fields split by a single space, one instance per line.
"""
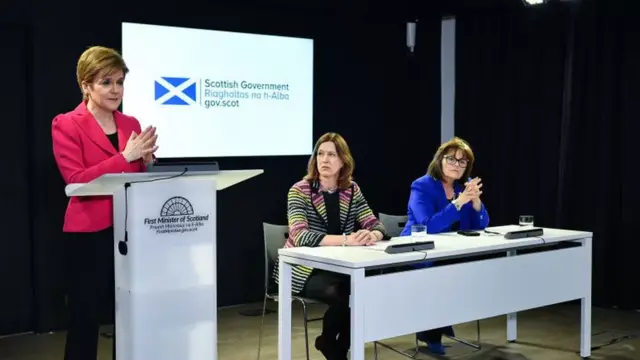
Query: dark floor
x=547 y=334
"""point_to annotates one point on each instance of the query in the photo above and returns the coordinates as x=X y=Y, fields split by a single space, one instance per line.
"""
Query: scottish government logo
x=175 y=91
x=176 y=216
x=212 y=93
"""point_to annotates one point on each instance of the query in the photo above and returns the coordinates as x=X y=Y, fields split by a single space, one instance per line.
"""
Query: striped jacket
x=307 y=218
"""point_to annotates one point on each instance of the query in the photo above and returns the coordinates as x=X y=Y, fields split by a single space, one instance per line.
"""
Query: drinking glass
x=418 y=230
x=526 y=220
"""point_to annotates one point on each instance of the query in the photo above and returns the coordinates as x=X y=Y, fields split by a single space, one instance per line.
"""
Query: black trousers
x=334 y=289
x=90 y=292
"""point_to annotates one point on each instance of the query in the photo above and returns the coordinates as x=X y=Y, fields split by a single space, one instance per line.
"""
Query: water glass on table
x=526 y=220
x=418 y=231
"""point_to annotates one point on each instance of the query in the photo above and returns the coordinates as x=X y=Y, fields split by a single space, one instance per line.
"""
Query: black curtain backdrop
x=552 y=116
x=385 y=103
x=602 y=138
x=509 y=85
x=15 y=243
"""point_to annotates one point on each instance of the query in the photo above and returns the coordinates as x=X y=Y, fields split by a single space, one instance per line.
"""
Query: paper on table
x=380 y=245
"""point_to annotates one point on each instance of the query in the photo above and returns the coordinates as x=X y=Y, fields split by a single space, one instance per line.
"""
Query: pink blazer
x=83 y=153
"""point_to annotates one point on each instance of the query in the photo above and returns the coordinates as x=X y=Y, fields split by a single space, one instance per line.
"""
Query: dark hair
x=346 y=173
x=435 y=167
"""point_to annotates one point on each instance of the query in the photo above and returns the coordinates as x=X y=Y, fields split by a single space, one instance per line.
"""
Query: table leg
x=512 y=327
x=284 y=311
x=585 y=327
x=585 y=311
x=512 y=319
x=357 y=315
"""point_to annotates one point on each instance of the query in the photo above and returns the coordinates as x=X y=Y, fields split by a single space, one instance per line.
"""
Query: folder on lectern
x=165 y=260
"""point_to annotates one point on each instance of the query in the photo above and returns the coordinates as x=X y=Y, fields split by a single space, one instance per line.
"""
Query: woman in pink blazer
x=92 y=140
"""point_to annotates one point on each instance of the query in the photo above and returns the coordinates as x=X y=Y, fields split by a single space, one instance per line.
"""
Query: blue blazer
x=428 y=205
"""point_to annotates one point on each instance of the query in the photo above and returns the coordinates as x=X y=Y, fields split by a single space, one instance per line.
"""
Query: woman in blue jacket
x=442 y=201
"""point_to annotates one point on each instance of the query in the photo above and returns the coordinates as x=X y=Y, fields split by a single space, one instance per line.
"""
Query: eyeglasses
x=452 y=161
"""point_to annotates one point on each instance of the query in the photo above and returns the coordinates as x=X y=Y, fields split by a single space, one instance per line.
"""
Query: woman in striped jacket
x=324 y=209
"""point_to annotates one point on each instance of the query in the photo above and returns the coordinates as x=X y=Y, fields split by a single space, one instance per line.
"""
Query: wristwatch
x=455 y=203
x=344 y=239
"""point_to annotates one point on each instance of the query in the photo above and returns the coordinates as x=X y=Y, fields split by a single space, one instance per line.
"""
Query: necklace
x=330 y=190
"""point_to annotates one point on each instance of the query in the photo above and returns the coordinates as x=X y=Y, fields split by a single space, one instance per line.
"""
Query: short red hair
x=95 y=60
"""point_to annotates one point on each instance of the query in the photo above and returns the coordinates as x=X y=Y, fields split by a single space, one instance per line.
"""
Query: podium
x=165 y=260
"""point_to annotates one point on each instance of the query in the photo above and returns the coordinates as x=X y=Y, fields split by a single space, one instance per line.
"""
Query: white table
x=400 y=303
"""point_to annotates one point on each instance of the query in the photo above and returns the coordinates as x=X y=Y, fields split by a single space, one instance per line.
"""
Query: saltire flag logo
x=175 y=91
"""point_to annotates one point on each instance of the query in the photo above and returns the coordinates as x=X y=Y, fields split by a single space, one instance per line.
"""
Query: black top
x=332 y=205
x=456 y=225
x=114 y=140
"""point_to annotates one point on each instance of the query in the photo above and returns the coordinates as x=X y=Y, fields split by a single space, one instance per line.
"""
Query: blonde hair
x=95 y=60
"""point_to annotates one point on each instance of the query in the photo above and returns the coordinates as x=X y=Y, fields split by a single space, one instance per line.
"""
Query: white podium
x=166 y=298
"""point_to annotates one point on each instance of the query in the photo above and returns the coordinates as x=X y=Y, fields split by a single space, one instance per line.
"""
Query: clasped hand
x=141 y=146
x=471 y=191
x=362 y=238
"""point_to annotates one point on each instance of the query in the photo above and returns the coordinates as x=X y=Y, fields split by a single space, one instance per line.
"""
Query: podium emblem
x=176 y=206
x=177 y=216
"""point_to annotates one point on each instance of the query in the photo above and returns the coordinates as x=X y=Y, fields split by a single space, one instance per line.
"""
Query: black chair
x=393 y=223
x=275 y=237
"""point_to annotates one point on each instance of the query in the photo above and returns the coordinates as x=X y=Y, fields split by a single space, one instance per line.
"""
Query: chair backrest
x=274 y=238
x=393 y=223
